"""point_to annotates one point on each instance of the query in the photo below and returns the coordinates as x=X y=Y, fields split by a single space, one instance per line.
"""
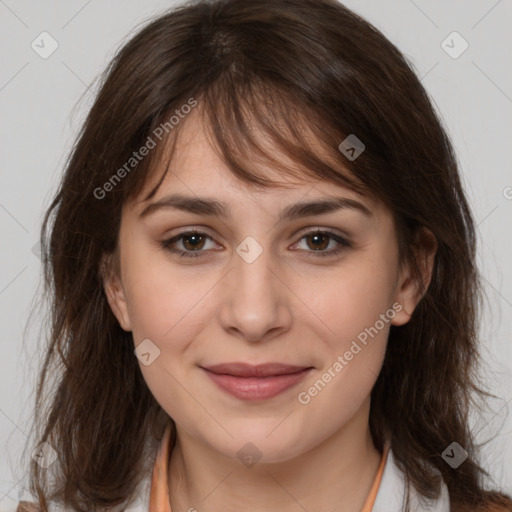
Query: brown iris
x=197 y=241
x=316 y=237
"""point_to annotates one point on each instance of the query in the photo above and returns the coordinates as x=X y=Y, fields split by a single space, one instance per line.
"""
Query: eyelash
x=167 y=244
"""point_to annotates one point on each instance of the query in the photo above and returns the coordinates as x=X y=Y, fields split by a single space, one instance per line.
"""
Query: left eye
x=193 y=242
x=319 y=240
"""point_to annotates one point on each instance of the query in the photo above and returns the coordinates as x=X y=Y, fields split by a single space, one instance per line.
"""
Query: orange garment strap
x=370 y=500
x=159 y=497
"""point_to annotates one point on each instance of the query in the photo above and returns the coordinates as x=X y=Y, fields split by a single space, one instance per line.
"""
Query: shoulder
x=390 y=496
x=140 y=504
x=392 y=490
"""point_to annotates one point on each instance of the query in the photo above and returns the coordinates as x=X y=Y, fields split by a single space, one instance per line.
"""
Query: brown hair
x=298 y=64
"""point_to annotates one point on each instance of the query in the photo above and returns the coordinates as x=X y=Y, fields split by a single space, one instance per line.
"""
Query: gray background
x=40 y=116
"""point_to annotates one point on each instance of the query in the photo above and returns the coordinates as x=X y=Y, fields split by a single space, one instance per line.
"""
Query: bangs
x=252 y=125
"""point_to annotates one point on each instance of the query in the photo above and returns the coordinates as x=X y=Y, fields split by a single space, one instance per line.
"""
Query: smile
x=259 y=382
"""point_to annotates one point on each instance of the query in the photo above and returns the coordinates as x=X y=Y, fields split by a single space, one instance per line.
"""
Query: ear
x=114 y=290
x=410 y=289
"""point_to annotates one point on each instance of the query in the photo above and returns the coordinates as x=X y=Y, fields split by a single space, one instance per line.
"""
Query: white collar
x=390 y=495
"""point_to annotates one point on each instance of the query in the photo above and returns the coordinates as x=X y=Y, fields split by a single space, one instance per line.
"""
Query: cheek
x=357 y=308
x=358 y=312
x=162 y=298
x=168 y=306
x=354 y=298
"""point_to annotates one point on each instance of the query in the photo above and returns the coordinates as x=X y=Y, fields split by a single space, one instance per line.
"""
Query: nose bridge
x=252 y=273
x=256 y=301
x=253 y=266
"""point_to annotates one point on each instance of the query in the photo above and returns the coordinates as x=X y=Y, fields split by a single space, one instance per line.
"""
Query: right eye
x=192 y=243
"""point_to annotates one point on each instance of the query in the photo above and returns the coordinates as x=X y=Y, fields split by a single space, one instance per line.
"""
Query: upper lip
x=260 y=370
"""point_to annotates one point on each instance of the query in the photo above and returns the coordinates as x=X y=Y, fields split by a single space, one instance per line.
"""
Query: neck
x=336 y=474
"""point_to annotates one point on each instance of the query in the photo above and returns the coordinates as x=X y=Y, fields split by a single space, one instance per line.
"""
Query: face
x=297 y=307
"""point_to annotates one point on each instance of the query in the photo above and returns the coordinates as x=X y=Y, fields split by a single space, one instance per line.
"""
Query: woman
x=262 y=267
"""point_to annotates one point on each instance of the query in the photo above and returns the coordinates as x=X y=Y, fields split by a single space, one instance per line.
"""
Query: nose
x=256 y=301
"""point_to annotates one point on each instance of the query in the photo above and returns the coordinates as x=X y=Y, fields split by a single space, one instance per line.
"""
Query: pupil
x=195 y=240
x=317 y=238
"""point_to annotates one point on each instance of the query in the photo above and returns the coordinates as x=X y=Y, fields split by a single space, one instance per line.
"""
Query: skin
x=289 y=305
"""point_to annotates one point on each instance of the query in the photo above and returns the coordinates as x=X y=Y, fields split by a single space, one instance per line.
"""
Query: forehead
x=193 y=164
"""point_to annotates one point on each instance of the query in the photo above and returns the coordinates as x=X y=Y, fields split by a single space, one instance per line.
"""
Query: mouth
x=256 y=382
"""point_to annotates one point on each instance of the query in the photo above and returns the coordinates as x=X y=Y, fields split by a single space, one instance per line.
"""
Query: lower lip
x=256 y=388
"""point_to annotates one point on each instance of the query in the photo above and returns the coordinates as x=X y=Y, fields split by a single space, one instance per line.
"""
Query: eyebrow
x=212 y=207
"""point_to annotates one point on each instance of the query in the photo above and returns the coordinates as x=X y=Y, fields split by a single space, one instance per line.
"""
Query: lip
x=256 y=382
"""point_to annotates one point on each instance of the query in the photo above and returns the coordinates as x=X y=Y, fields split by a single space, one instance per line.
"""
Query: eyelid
x=313 y=229
x=189 y=232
